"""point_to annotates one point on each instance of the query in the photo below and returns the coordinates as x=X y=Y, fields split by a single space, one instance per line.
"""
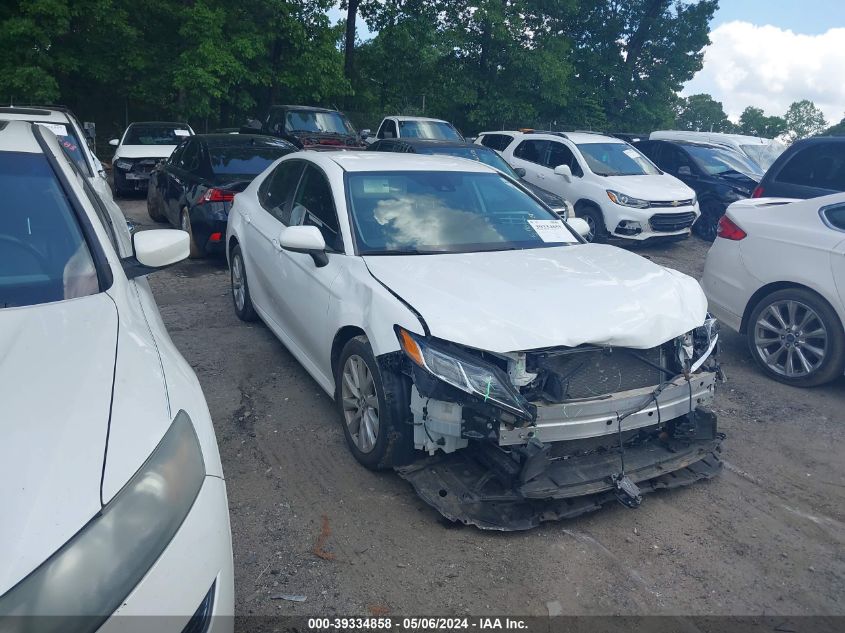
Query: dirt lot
x=767 y=536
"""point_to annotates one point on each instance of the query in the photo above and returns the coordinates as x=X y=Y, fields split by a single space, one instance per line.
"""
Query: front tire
x=595 y=219
x=374 y=408
x=241 y=298
x=153 y=206
x=796 y=338
x=705 y=226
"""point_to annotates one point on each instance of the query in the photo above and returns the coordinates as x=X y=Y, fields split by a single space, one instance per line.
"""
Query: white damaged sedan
x=509 y=371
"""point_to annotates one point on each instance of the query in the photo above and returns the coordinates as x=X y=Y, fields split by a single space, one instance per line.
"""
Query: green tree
x=754 y=122
x=702 y=113
x=836 y=130
x=804 y=119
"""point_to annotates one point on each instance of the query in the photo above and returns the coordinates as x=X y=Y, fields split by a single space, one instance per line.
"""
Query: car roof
x=364 y=161
x=158 y=123
x=577 y=137
x=402 y=117
x=34 y=113
x=301 y=107
x=17 y=136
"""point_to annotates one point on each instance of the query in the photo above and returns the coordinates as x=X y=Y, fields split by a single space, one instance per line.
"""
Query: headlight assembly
x=101 y=564
x=471 y=375
x=627 y=201
x=697 y=345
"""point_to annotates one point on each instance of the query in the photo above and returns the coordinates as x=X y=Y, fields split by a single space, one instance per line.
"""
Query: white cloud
x=768 y=67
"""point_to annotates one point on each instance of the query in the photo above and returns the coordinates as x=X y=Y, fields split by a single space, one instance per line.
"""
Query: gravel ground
x=765 y=537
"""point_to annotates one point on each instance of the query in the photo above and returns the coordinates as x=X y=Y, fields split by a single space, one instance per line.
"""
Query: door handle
x=276 y=245
x=247 y=219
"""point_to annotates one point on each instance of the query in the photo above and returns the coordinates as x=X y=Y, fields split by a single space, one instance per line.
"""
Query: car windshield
x=425 y=212
x=616 y=159
x=163 y=134
x=247 y=161
x=69 y=141
x=439 y=130
x=43 y=255
x=716 y=161
x=764 y=155
x=324 y=122
x=480 y=154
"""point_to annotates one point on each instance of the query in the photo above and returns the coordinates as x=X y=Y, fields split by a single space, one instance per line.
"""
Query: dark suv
x=309 y=128
x=808 y=168
x=718 y=174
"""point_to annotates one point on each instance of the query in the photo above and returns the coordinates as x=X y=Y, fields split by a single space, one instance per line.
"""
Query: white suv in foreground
x=113 y=496
x=613 y=186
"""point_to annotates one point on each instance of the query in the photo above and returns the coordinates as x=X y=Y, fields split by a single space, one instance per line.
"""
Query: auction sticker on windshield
x=181 y=132
x=56 y=128
x=551 y=230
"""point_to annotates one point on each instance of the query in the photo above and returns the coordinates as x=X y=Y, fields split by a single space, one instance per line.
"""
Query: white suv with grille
x=614 y=187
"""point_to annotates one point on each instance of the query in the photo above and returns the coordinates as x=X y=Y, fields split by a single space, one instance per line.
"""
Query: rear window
x=819 y=165
x=43 y=255
x=244 y=161
x=165 y=134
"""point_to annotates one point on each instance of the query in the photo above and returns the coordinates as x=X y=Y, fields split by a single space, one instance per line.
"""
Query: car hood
x=530 y=299
x=663 y=187
x=143 y=151
x=56 y=370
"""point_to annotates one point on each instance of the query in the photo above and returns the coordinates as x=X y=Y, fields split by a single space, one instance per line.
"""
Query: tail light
x=758 y=192
x=216 y=195
x=728 y=229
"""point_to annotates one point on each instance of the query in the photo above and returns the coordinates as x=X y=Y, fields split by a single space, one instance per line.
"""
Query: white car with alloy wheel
x=614 y=186
x=113 y=496
x=776 y=273
x=472 y=340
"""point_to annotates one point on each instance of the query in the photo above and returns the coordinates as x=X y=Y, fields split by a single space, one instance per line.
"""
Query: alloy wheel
x=791 y=338
x=238 y=291
x=360 y=403
x=591 y=222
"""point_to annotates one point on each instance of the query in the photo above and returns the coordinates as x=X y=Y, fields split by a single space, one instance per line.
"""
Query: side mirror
x=683 y=170
x=365 y=134
x=520 y=171
x=565 y=171
x=580 y=226
x=305 y=239
x=114 y=142
x=156 y=249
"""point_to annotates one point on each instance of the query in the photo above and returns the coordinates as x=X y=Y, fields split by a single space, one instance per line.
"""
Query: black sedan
x=193 y=189
x=471 y=151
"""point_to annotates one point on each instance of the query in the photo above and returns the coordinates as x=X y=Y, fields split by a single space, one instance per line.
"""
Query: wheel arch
x=341 y=338
x=774 y=287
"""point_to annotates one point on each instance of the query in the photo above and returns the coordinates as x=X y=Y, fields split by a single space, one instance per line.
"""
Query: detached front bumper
x=466 y=487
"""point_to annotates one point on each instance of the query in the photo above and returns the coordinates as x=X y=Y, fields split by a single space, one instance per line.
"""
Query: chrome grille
x=672 y=221
x=670 y=204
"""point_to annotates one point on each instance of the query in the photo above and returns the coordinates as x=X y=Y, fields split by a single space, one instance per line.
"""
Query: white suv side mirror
x=565 y=171
x=156 y=249
x=114 y=142
x=580 y=226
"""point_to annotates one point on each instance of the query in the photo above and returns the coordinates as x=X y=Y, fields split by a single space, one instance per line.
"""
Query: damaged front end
x=520 y=438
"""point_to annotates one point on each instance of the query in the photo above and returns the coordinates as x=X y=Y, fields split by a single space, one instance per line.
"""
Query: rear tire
x=241 y=298
x=185 y=225
x=595 y=218
x=796 y=323
x=374 y=408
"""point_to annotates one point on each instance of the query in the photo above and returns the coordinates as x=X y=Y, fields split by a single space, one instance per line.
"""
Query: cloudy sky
x=769 y=53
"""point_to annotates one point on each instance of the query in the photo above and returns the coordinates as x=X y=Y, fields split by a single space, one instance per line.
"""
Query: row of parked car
x=451 y=312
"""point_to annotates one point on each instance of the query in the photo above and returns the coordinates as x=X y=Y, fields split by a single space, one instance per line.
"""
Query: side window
x=496 y=141
x=190 y=158
x=276 y=192
x=314 y=206
x=835 y=216
x=388 y=129
x=821 y=165
x=532 y=151
x=276 y=120
x=673 y=158
x=176 y=156
x=560 y=154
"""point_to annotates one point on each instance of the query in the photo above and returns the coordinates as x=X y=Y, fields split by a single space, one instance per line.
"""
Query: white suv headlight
x=627 y=201
x=95 y=570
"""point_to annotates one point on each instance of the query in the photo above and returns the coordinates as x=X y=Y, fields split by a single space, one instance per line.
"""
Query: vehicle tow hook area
x=485 y=487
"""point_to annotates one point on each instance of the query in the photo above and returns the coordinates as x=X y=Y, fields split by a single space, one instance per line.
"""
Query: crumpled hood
x=658 y=188
x=143 y=151
x=561 y=296
x=56 y=370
